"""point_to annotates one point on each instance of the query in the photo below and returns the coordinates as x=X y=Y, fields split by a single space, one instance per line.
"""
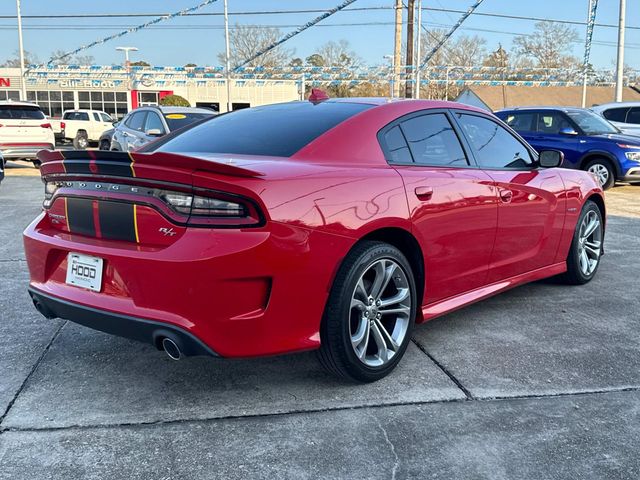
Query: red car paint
x=252 y=291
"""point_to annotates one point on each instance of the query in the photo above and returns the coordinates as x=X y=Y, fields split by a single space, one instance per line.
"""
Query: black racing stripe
x=116 y=220
x=118 y=169
x=80 y=216
x=77 y=166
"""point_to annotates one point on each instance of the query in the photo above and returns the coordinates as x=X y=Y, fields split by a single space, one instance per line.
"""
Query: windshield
x=179 y=120
x=591 y=123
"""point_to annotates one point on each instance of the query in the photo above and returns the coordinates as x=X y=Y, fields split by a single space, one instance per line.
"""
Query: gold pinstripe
x=135 y=222
x=133 y=172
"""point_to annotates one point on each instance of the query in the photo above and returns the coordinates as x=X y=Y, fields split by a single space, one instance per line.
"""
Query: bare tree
x=549 y=45
x=14 y=62
x=339 y=54
x=57 y=55
x=247 y=40
x=460 y=51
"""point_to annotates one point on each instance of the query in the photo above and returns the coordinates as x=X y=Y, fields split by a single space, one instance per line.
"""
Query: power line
x=303 y=11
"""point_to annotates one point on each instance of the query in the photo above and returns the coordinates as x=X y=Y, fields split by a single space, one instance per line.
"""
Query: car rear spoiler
x=133 y=164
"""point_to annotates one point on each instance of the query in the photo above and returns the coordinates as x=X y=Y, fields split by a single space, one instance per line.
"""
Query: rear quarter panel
x=579 y=187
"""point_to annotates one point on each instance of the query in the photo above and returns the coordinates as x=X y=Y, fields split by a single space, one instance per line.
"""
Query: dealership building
x=116 y=90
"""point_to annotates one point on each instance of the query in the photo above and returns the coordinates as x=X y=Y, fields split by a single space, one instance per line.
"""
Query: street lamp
x=127 y=64
x=392 y=62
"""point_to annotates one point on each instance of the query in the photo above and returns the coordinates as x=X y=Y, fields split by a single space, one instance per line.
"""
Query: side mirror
x=154 y=132
x=567 y=131
x=550 y=158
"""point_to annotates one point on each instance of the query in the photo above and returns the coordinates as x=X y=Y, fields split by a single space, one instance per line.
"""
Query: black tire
x=336 y=353
x=81 y=142
x=599 y=163
x=105 y=145
x=36 y=163
x=574 y=274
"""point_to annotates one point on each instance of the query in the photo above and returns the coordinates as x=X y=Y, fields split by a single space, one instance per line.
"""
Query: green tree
x=140 y=63
x=174 y=101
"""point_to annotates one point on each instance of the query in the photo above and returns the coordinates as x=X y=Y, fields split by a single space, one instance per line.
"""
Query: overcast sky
x=200 y=39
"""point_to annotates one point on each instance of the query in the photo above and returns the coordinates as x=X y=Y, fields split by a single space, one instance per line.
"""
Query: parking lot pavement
x=75 y=403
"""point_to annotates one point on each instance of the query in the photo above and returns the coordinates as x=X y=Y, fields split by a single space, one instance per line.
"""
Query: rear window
x=82 y=116
x=179 y=120
x=21 y=112
x=272 y=130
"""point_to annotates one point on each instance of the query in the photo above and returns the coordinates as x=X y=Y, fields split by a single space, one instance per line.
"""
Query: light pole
x=227 y=55
x=392 y=77
x=23 y=85
x=127 y=63
x=620 y=60
x=418 y=50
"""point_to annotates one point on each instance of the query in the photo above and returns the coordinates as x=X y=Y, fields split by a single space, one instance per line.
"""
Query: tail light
x=211 y=208
x=62 y=125
x=204 y=208
x=46 y=125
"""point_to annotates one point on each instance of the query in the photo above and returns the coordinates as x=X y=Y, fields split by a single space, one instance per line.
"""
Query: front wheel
x=370 y=313
x=587 y=246
x=104 y=145
x=603 y=171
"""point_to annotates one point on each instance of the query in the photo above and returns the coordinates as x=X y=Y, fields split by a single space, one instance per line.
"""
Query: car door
x=531 y=199
x=632 y=123
x=453 y=206
x=133 y=134
x=552 y=132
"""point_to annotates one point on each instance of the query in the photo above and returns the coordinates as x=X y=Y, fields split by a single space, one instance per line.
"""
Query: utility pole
x=620 y=60
x=418 y=50
x=410 y=63
x=397 y=52
x=23 y=84
x=227 y=55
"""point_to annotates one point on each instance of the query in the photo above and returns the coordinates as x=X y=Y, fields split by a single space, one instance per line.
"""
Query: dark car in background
x=588 y=141
x=146 y=124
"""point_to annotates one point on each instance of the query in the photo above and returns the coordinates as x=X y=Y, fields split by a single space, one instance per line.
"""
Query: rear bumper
x=242 y=293
x=139 y=329
x=24 y=150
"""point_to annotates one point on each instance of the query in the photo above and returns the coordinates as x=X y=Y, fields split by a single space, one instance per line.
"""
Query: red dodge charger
x=333 y=225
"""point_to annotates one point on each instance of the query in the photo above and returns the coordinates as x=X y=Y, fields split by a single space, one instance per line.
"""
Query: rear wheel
x=81 y=142
x=105 y=144
x=370 y=313
x=603 y=171
x=586 y=248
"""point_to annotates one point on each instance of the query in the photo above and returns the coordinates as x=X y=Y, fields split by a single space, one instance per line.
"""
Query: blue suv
x=588 y=141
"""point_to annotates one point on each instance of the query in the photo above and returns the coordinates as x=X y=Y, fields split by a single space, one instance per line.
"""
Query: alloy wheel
x=590 y=243
x=601 y=172
x=380 y=312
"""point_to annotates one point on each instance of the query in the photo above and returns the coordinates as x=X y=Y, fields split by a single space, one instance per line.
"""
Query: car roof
x=164 y=109
x=604 y=106
x=18 y=103
x=541 y=107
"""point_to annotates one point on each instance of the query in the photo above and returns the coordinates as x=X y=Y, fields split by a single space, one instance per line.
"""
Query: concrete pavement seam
x=312 y=411
x=451 y=376
x=31 y=372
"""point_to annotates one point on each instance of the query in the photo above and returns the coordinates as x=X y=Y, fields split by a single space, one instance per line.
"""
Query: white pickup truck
x=84 y=127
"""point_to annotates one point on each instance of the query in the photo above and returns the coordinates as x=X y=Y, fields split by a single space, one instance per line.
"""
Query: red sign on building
x=5 y=82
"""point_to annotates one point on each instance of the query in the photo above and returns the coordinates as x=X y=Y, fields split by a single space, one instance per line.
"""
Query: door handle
x=424 y=193
x=506 y=195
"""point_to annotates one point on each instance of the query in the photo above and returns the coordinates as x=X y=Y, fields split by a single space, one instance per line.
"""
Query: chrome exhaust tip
x=171 y=349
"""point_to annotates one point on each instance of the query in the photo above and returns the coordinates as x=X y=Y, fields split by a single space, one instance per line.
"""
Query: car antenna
x=318 y=95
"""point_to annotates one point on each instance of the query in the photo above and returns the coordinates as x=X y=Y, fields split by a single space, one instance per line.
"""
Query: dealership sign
x=5 y=82
x=76 y=82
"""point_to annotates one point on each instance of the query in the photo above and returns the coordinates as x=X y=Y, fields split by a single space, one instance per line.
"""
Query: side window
x=433 y=141
x=153 y=122
x=521 y=122
x=136 y=121
x=616 y=114
x=106 y=118
x=397 y=146
x=552 y=122
x=494 y=146
x=96 y=117
x=634 y=116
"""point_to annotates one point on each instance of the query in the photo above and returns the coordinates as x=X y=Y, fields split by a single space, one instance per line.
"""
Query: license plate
x=84 y=271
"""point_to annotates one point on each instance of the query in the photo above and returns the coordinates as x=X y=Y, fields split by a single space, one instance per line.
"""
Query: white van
x=24 y=131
